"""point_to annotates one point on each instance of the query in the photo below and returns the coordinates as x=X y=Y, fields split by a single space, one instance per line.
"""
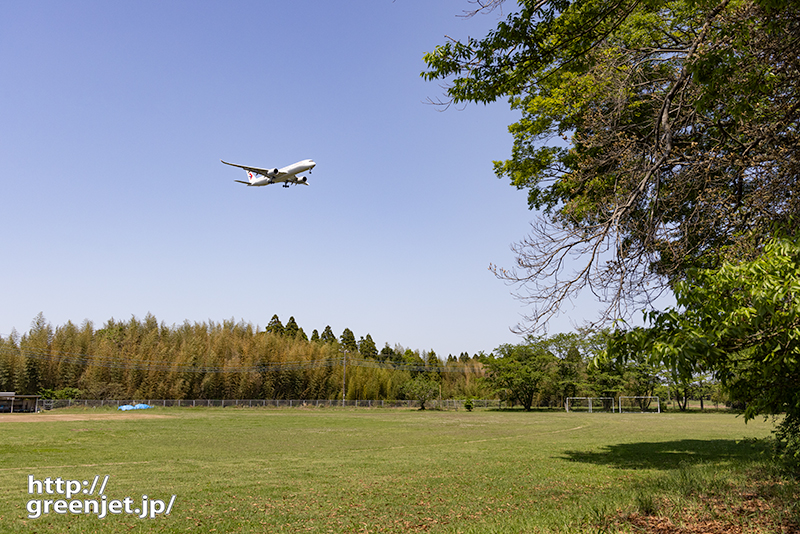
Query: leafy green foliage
x=469 y=404
x=655 y=136
x=63 y=393
x=742 y=321
x=522 y=371
x=422 y=388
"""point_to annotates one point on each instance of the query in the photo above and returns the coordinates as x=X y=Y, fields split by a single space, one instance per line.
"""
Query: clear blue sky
x=115 y=204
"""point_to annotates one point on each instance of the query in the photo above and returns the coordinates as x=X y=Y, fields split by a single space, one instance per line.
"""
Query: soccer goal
x=590 y=404
x=639 y=405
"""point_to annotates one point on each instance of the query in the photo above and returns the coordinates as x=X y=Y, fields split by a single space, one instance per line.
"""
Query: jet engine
x=273 y=172
x=302 y=180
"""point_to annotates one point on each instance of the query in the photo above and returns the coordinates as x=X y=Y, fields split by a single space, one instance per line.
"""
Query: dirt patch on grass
x=752 y=514
x=44 y=417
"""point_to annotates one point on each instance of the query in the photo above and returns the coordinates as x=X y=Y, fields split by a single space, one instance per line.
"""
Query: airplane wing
x=263 y=172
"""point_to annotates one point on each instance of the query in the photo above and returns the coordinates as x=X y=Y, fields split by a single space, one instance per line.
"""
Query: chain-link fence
x=444 y=404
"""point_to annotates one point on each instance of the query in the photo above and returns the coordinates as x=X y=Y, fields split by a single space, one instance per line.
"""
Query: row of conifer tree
x=145 y=359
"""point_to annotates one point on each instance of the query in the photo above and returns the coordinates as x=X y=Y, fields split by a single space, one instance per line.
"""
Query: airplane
x=286 y=175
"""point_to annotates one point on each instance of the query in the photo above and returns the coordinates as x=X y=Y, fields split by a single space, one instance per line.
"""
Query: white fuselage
x=297 y=168
x=284 y=174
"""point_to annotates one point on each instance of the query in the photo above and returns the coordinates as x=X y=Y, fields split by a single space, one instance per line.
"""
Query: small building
x=10 y=402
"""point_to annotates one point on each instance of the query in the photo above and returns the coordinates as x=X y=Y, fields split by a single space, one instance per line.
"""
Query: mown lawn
x=393 y=470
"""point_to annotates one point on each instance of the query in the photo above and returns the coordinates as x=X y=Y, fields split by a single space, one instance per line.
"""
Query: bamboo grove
x=142 y=359
x=145 y=359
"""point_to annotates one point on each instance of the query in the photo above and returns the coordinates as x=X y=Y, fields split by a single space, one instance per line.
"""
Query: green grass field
x=386 y=470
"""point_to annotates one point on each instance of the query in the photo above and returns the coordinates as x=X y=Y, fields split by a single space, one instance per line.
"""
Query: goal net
x=590 y=404
x=639 y=405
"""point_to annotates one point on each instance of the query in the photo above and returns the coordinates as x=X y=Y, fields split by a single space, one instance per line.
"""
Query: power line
x=116 y=362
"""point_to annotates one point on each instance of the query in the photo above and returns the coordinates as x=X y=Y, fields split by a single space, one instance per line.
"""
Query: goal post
x=639 y=404
x=590 y=404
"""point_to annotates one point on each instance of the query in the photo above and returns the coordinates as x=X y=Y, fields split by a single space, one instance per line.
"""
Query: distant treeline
x=145 y=359
x=142 y=359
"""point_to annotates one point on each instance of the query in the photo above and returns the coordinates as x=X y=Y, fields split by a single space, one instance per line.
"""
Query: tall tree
x=387 y=353
x=327 y=335
x=275 y=326
x=9 y=350
x=523 y=370
x=35 y=347
x=301 y=334
x=433 y=364
x=606 y=378
x=367 y=348
x=422 y=388
x=291 y=329
x=571 y=373
x=29 y=380
x=640 y=378
x=348 y=341
x=656 y=136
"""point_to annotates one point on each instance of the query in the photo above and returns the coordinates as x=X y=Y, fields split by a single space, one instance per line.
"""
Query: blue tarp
x=126 y=407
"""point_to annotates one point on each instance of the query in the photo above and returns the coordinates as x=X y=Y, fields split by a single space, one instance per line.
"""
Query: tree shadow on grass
x=672 y=454
x=699 y=486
